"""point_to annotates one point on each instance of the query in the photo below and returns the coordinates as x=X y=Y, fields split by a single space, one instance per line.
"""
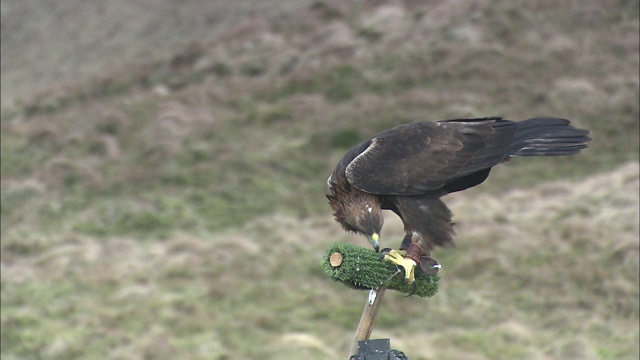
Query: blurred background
x=164 y=167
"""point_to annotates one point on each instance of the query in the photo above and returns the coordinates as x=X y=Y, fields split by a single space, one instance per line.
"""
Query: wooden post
x=366 y=320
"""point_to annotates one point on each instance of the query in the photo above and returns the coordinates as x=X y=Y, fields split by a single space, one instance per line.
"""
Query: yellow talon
x=407 y=264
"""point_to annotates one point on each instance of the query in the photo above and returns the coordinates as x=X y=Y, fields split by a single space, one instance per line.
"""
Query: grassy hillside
x=163 y=177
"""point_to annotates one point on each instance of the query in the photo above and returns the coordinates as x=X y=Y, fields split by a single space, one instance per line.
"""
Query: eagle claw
x=384 y=252
x=407 y=264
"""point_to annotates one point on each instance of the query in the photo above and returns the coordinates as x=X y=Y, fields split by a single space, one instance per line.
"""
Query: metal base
x=377 y=349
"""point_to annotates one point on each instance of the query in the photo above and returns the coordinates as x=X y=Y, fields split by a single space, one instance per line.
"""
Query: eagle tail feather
x=547 y=137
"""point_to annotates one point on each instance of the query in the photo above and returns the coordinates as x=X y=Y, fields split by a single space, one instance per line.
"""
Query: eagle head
x=357 y=211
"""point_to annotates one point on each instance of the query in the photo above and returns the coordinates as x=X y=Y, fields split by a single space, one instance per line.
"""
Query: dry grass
x=538 y=274
x=170 y=205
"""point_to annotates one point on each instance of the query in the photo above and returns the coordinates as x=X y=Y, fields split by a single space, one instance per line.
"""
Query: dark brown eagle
x=408 y=168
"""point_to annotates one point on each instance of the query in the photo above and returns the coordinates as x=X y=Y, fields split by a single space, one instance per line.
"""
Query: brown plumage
x=408 y=168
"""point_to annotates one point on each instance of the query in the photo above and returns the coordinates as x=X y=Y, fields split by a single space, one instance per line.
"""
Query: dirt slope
x=163 y=170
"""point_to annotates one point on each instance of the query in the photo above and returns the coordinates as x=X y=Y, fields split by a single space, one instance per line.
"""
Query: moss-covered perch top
x=362 y=269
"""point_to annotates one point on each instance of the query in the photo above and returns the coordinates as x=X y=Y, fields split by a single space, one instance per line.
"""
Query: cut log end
x=335 y=259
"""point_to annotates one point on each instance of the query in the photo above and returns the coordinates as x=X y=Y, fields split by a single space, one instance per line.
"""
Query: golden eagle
x=408 y=168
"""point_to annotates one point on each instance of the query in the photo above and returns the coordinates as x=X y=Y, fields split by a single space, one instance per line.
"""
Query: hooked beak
x=373 y=239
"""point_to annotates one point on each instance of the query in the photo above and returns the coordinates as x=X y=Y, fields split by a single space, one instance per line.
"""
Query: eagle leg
x=405 y=263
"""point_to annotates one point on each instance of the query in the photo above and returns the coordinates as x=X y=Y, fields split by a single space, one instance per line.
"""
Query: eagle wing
x=416 y=158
